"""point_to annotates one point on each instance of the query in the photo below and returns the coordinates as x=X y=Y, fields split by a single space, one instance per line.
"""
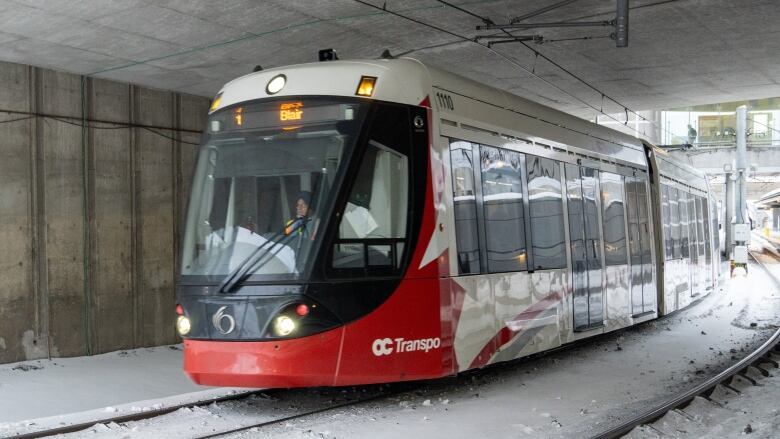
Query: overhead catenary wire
x=764 y=125
x=109 y=125
x=499 y=54
x=16 y=120
x=573 y=75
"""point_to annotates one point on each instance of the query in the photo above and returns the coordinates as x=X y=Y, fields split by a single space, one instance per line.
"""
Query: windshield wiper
x=242 y=271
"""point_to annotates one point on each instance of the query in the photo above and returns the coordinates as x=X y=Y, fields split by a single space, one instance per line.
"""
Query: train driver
x=301 y=223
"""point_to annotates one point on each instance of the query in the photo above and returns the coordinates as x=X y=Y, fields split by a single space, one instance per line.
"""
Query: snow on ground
x=48 y=393
x=754 y=411
x=572 y=393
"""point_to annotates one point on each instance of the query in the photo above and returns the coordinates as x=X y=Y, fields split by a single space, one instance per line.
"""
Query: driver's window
x=373 y=226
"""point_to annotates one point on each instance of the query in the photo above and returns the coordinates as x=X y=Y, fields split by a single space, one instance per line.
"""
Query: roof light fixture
x=366 y=86
x=276 y=84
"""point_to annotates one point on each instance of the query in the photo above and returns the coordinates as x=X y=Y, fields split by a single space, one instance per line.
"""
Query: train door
x=693 y=244
x=707 y=242
x=645 y=236
x=702 y=265
x=642 y=290
x=585 y=235
x=684 y=291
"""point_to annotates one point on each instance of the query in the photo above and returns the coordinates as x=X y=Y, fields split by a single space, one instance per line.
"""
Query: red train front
x=303 y=258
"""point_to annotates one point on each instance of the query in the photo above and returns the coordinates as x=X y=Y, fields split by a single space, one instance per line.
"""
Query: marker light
x=283 y=325
x=366 y=86
x=276 y=84
x=183 y=325
x=179 y=310
x=215 y=103
x=302 y=309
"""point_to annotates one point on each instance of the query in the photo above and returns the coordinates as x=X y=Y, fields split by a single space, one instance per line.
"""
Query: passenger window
x=667 y=221
x=504 y=212
x=613 y=218
x=546 y=211
x=465 y=206
x=682 y=203
x=675 y=222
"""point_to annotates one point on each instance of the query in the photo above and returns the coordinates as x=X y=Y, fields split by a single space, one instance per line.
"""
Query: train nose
x=253 y=317
x=300 y=362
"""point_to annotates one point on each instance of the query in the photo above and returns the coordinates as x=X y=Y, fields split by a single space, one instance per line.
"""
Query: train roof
x=501 y=111
x=674 y=169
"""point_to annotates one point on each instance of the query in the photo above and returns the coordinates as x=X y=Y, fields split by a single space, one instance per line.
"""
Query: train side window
x=504 y=212
x=694 y=238
x=613 y=218
x=706 y=210
x=675 y=222
x=373 y=227
x=464 y=196
x=545 y=201
x=700 y=227
x=666 y=221
x=682 y=203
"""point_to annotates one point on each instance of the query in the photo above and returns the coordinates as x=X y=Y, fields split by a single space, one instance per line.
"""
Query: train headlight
x=276 y=84
x=183 y=325
x=283 y=325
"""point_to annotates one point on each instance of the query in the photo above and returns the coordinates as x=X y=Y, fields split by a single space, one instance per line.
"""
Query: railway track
x=140 y=416
x=285 y=419
x=755 y=360
x=384 y=392
x=381 y=392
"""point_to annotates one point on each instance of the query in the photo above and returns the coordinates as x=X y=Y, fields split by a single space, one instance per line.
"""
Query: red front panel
x=401 y=340
x=301 y=362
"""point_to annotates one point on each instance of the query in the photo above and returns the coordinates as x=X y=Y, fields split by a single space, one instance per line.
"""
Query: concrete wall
x=88 y=261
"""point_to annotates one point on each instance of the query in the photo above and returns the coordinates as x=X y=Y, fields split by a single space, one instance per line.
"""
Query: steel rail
x=296 y=416
x=139 y=416
x=706 y=388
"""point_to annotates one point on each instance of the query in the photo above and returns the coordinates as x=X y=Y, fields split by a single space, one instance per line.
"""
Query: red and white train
x=359 y=222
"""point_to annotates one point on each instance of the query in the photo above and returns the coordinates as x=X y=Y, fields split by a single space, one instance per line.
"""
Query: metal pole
x=741 y=166
x=728 y=214
x=621 y=24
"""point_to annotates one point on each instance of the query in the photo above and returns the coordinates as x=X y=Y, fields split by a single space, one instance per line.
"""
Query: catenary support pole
x=728 y=214
x=740 y=193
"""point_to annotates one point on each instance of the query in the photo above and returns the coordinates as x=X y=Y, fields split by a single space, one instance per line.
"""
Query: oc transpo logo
x=386 y=346
x=224 y=323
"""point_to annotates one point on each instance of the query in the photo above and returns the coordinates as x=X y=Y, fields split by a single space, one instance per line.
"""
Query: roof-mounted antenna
x=257 y=68
x=386 y=54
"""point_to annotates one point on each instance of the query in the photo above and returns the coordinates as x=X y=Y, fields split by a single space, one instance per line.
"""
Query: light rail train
x=355 y=222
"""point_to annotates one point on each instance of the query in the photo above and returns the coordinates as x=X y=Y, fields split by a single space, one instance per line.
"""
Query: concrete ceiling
x=681 y=52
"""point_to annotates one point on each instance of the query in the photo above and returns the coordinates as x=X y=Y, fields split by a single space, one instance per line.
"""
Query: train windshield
x=264 y=187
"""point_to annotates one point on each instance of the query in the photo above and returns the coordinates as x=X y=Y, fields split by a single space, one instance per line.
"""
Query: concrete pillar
x=728 y=214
